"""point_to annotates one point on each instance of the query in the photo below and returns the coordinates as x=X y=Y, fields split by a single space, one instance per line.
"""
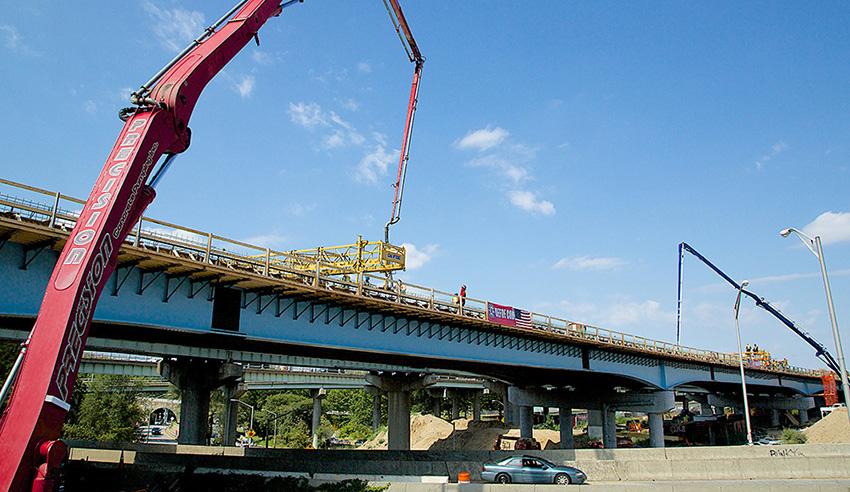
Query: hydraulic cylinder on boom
x=156 y=125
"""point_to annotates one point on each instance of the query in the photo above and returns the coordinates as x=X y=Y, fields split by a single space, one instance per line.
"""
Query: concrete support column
x=398 y=387
x=398 y=420
x=565 y=415
x=437 y=410
x=476 y=406
x=804 y=417
x=656 y=430
x=318 y=395
x=526 y=422
x=594 y=424
x=455 y=397
x=774 y=418
x=609 y=428
x=376 y=411
x=510 y=418
x=195 y=378
x=232 y=391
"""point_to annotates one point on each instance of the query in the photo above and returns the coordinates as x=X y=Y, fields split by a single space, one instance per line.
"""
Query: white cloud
x=341 y=132
x=11 y=37
x=245 y=87
x=90 y=106
x=261 y=57
x=516 y=173
x=775 y=150
x=300 y=209
x=589 y=263
x=364 y=67
x=174 y=28
x=416 y=258
x=351 y=104
x=374 y=164
x=13 y=41
x=307 y=115
x=482 y=139
x=618 y=315
x=271 y=240
x=528 y=201
x=832 y=227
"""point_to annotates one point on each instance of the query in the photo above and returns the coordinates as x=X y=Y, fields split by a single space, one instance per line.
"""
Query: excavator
x=156 y=128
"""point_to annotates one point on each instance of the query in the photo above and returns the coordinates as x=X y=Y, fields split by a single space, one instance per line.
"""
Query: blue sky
x=562 y=150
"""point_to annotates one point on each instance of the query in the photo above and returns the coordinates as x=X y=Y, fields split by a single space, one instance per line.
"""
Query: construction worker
x=462 y=294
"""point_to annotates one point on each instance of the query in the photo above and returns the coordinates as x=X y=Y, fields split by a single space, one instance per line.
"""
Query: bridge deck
x=180 y=253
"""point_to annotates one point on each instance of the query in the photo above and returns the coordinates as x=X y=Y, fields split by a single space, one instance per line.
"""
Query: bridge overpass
x=202 y=301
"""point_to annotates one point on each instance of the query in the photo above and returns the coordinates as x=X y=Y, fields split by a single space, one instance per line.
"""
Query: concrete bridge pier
x=526 y=421
x=195 y=378
x=774 y=418
x=232 y=390
x=609 y=427
x=476 y=406
x=508 y=411
x=398 y=386
x=455 y=398
x=656 y=429
x=565 y=415
x=594 y=424
x=376 y=411
x=804 y=416
x=318 y=395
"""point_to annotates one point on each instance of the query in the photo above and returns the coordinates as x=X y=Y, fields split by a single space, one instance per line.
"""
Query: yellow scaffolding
x=360 y=257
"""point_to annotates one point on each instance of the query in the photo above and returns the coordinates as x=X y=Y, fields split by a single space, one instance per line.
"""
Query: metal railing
x=204 y=247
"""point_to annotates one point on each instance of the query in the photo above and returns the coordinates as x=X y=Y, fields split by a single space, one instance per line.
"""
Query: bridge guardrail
x=205 y=247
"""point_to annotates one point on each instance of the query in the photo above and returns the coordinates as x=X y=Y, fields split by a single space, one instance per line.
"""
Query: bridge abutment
x=195 y=378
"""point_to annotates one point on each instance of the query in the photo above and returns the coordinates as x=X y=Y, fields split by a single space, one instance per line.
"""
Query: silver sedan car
x=531 y=469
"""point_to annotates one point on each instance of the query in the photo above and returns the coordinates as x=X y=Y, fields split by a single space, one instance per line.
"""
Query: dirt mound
x=472 y=435
x=425 y=430
x=833 y=428
x=430 y=432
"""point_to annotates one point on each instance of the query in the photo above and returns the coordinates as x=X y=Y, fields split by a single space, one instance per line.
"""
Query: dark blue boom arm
x=820 y=350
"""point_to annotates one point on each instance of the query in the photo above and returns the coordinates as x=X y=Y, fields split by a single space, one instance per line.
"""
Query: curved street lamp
x=816 y=248
x=737 y=309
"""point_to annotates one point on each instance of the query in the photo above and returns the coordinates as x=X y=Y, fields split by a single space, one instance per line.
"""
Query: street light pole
x=816 y=248
x=275 y=428
x=741 y=363
x=247 y=405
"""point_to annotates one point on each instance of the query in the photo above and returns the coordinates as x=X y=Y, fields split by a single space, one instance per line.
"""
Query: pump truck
x=156 y=128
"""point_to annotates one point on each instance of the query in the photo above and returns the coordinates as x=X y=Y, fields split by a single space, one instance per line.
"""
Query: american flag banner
x=523 y=318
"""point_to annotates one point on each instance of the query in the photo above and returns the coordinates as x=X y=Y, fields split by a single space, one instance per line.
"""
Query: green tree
x=109 y=410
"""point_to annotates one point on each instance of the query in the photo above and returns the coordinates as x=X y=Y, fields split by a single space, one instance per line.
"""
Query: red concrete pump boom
x=30 y=427
x=412 y=49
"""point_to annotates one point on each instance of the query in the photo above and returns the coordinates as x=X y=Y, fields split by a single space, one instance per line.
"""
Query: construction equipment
x=415 y=56
x=357 y=258
x=820 y=351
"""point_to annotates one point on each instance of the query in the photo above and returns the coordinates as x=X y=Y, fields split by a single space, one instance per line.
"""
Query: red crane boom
x=158 y=125
x=415 y=56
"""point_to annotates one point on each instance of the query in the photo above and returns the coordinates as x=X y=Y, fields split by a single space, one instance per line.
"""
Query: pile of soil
x=425 y=430
x=831 y=429
x=430 y=432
